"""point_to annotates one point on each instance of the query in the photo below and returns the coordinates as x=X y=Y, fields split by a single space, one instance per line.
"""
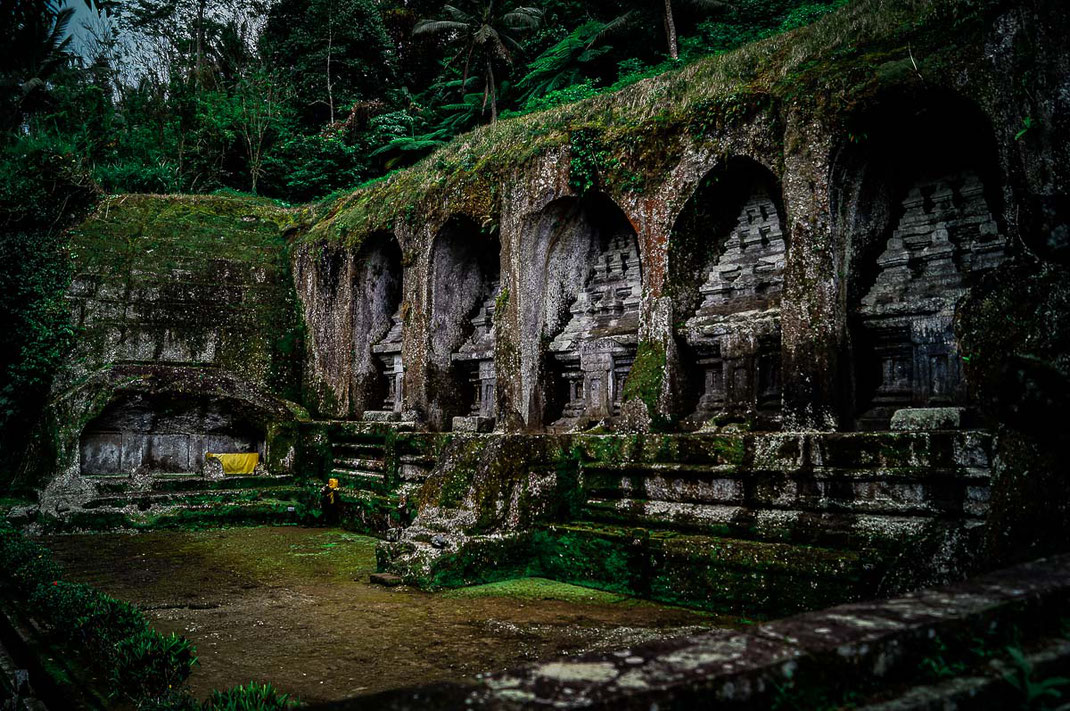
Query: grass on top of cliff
x=634 y=135
x=169 y=231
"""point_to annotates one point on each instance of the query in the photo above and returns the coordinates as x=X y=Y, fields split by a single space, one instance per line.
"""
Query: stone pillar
x=812 y=311
x=520 y=379
x=413 y=315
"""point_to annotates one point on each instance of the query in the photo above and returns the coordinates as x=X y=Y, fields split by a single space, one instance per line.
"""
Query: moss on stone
x=540 y=589
x=645 y=379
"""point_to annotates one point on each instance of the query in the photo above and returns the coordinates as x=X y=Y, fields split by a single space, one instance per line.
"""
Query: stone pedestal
x=473 y=424
x=381 y=416
x=916 y=419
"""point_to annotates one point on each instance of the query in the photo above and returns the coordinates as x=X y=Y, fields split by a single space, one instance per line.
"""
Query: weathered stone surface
x=473 y=424
x=381 y=416
x=927 y=418
x=385 y=579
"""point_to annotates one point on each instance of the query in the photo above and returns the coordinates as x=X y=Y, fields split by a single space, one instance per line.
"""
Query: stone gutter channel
x=868 y=646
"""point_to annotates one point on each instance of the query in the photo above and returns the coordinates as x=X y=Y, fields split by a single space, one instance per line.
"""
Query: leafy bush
x=25 y=563
x=85 y=615
x=251 y=697
x=567 y=95
x=148 y=663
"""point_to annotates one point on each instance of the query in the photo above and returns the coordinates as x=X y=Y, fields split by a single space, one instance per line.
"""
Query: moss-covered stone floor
x=293 y=606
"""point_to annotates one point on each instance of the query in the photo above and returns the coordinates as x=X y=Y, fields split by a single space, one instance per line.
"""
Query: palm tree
x=668 y=20
x=483 y=39
x=36 y=41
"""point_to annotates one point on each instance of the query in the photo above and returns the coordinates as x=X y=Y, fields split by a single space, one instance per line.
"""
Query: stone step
x=358 y=464
x=755 y=578
x=793 y=451
x=862 y=450
x=827 y=528
x=373 y=450
x=931 y=496
x=185 y=482
x=261 y=511
x=356 y=479
x=713 y=471
x=195 y=497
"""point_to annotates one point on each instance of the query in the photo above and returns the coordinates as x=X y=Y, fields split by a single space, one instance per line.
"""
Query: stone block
x=381 y=416
x=385 y=579
x=473 y=423
x=927 y=418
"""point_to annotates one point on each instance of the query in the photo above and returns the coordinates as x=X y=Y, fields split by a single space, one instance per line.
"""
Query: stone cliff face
x=190 y=340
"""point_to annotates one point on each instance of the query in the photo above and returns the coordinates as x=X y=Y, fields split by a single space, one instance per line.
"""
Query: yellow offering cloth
x=236 y=463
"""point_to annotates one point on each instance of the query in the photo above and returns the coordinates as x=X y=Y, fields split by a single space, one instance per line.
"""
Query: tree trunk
x=330 y=87
x=200 y=41
x=493 y=93
x=670 y=31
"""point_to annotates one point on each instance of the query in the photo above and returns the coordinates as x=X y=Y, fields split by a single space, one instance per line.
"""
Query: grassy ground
x=293 y=606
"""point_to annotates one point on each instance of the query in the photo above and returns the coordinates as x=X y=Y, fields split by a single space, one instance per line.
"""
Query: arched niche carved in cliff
x=727 y=252
x=464 y=283
x=917 y=203
x=587 y=315
x=376 y=312
x=169 y=433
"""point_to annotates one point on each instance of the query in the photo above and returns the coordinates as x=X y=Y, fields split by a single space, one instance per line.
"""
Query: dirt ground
x=293 y=606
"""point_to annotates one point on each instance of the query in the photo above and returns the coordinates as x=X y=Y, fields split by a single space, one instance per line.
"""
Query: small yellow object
x=236 y=463
x=333 y=483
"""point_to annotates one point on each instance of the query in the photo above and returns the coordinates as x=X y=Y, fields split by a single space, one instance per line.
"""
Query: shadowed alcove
x=464 y=283
x=915 y=194
x=377 y=365
x=585 y=316
x=727 y=253
x=167 y=433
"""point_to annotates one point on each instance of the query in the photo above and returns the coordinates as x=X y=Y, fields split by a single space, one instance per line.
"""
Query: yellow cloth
x=236 y=463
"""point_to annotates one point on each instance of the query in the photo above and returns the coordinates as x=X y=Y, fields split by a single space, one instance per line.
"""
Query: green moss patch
x=540 y=589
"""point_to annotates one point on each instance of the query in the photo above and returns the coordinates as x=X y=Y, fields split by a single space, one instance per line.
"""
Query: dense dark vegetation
x=296 y=98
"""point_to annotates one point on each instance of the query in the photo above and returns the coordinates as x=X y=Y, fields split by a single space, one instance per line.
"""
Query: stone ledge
x=381 y=416
x=924 y=419
x=473 y=424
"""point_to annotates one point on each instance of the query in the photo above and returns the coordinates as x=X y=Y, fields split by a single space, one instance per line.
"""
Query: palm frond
x=425 y=27
x=613 y=25
x=485 y=34
x=457 y=14
x=522 y=18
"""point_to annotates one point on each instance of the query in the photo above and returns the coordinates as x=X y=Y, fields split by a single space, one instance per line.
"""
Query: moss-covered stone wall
x=808 y=107
x=186 y=296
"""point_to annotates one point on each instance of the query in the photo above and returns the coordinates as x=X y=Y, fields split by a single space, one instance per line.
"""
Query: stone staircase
x=175 y=500
x=772 y=524
x=358 y=462
x=376 y=473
